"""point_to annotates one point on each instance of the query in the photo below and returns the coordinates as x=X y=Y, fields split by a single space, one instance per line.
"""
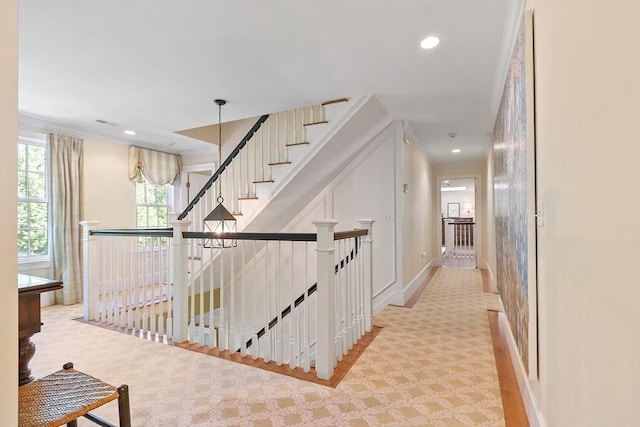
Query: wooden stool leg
x=124 y=409
x=73 y=423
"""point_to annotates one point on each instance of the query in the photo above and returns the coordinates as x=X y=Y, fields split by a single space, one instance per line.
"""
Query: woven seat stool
x=64 y=396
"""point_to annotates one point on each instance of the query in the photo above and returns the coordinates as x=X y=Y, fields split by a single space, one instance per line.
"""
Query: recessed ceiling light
x=130 y=132
x=453 y=188
x=456 y=150
x=446 y=181
x=430 y=42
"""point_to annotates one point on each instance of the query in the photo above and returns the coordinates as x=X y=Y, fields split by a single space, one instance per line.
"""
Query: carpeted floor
x=431 y=365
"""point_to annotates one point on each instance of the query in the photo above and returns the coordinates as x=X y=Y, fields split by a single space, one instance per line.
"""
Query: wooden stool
x=64 y=396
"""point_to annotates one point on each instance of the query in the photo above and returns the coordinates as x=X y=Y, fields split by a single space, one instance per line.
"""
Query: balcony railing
x=300 y=299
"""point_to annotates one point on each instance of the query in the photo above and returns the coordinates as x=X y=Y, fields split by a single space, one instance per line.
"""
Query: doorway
x=458 y=228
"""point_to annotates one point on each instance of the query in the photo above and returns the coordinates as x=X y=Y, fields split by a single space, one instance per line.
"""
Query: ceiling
x=155 y=66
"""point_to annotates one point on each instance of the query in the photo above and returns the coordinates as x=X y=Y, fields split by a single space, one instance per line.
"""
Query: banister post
x=180 y=280
x=89 y=269
x=326 y=322
x=367 y=253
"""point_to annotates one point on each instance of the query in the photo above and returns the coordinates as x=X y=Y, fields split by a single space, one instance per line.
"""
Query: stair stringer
x=324 y=159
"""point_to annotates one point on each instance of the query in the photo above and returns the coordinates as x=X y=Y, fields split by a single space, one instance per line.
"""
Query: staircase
x=226 y=308
x=270 y=152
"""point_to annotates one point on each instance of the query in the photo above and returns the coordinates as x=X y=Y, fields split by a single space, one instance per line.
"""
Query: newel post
x=367 y=253
x=89 y=270
x=326 y=327
x=179 y=320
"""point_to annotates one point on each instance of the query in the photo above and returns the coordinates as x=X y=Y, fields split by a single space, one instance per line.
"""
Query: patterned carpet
x=431 y=365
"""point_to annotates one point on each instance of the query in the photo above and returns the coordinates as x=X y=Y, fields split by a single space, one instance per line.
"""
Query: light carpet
x=431 y=365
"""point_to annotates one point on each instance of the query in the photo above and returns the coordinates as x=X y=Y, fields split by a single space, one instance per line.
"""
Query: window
x=152 y=208
x=33 y=205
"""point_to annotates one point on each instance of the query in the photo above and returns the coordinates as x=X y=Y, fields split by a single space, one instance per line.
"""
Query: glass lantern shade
x=220 y=220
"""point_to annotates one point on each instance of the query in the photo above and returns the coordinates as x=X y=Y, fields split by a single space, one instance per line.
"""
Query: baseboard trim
x=493 y=287
x=384 y=297
x=533 y=414
x=417 y=282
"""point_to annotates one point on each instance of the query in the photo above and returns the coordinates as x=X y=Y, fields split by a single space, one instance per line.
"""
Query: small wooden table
x=29 y=290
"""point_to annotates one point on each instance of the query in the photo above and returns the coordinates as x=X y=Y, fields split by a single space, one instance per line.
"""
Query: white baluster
x=305 y=307
x=293 y=330
x=213 y=328
x=136 y=286
x=201 y=331
x=160 y=321
x=254 y=324
x=277 y=307
x=339 y=306
x=232 y=345
x=267 y=332
x=112 y=274
x=129 y=289
x=152 y=284
x=243 y=311
x=120 y=301
x=223 y=337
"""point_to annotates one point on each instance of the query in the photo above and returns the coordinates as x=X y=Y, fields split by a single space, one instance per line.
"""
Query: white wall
x=371 y=186
x=418 y=213
x=367 y=189
x=587 y=107
x=109 y=196
x=464 y=198
x=8 y=215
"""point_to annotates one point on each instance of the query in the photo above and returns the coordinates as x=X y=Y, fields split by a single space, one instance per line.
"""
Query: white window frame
x=41 y=261
x=168 y=204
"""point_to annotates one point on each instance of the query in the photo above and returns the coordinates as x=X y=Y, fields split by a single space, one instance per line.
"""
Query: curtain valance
x=157 y=167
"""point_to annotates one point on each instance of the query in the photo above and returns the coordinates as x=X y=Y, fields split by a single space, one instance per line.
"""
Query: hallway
x=431 y=365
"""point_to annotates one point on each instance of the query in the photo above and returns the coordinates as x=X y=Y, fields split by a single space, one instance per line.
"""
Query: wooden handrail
x=141 y=232
x=168 y=232
x=288 y=237
x=224 y=165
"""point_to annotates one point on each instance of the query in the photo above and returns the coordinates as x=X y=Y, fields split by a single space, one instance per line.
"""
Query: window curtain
x=156 y=167
x=66 y=204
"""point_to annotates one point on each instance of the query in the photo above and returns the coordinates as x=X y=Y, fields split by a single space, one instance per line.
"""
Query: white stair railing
x=128 y=279
x=459 y=238
x=299 y=299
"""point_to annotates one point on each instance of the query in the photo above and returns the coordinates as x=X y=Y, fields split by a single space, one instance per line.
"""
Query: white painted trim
x=381 y=291
x=417 y=281
x=534 y=415
x=380 y=301
x=493 y=285
x=479 y=199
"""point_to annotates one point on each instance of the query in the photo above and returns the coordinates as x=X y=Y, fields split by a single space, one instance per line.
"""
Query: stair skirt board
x=340 y=371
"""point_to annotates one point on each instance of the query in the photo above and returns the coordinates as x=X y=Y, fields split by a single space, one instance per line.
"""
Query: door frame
x=478 y=237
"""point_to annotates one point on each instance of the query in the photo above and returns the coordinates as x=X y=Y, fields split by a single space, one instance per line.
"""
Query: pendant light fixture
x=219 y=220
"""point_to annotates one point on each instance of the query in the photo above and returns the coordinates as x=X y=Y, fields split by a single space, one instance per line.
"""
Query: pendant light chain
x=220 y=103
